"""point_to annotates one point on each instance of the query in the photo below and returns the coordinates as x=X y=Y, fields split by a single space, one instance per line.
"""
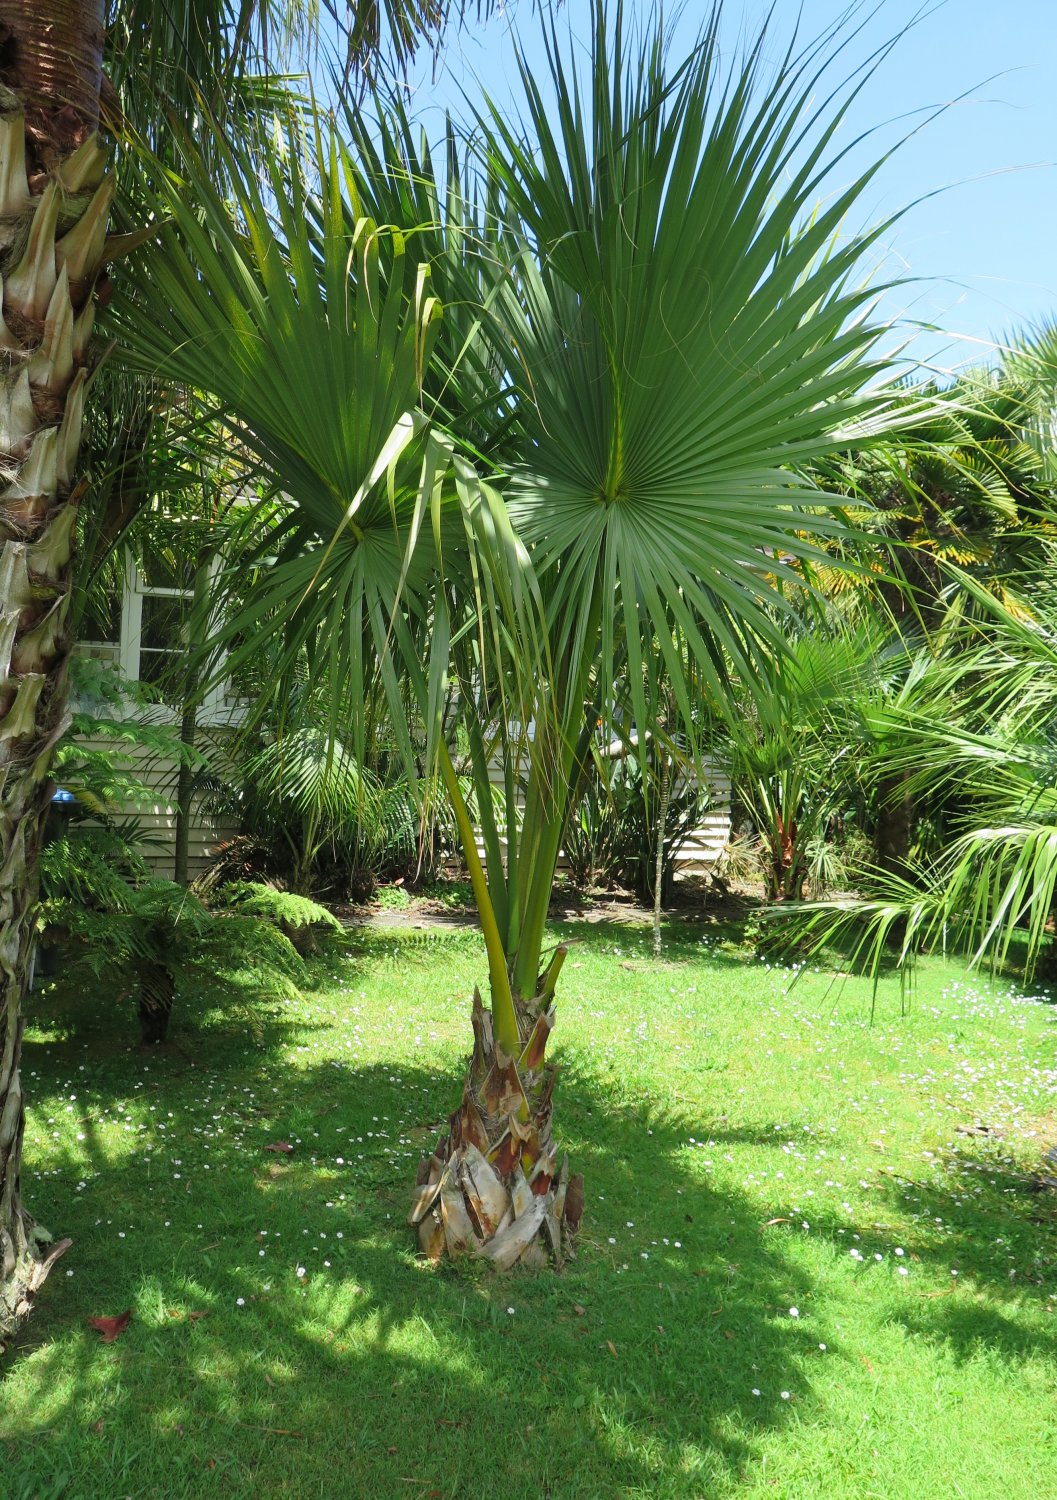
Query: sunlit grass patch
x=817 y=1259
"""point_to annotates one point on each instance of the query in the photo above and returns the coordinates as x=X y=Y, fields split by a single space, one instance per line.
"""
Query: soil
x=698 y=902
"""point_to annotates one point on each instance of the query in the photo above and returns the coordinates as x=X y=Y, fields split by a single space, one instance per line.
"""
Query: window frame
x=216 y=707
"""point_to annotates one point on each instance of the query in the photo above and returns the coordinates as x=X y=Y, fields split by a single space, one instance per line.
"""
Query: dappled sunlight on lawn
x=777 y=1196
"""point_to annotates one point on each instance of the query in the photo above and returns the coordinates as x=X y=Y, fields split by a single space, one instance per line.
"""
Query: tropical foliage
x=975 y=729
x=517 y=478
x=966 y=484
x=315 y=818
x=799 y=750
x=614 y=816
x=57 y=191
x=104 y=914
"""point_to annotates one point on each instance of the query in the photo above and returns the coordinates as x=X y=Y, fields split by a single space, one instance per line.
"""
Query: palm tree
x=972 y=728
x=968 y=484
x=56 y=195
x=964 y=486
x=541 y=438
x=795 y=747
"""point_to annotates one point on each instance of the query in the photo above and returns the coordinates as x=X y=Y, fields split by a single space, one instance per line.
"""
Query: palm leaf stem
x=546 y=813
x=497 y=885
x=504 y=1018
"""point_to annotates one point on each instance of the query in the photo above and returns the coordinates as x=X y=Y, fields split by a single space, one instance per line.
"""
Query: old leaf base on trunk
x=493 y=1186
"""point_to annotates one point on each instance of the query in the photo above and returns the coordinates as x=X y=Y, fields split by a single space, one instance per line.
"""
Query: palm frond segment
x=691 y=330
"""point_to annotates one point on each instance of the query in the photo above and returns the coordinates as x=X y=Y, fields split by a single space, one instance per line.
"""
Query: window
x=162 y=640
x=101 y=632
x=154 y=610
x=145 y=634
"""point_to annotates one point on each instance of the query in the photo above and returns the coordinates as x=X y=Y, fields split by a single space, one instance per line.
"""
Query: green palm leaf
x=681 y=349
x=973 y=727
x=650 y=331
x=316 y=344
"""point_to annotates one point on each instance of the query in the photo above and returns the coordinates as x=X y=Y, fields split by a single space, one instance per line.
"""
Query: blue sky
x=982 y=252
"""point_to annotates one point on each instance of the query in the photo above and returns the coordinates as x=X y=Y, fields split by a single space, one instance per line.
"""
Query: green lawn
x=797 y=1276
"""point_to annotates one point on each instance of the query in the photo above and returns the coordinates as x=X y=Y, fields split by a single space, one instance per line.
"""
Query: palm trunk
x=658 y=872
x=185 y=794
x=188 y=733
x=54 y=203
x=894 y=833
x=786 y=874
x=493 y=1185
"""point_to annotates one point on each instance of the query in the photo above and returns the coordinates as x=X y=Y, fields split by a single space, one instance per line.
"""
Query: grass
x=750 y=1148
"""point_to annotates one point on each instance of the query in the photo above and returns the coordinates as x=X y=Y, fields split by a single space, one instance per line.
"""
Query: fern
x=91 y=869
x=113 y=920
x=283 y=908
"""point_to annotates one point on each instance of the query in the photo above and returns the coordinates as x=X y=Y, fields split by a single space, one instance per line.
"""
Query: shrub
x=111 y=918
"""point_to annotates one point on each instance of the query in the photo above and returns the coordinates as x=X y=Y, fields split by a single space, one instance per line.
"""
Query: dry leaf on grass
x=111 y=1327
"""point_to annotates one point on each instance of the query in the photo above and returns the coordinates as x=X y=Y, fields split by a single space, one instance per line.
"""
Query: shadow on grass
x=999 y=1233
x=631 y=1374
x=988 y=1237
x=210 y=1025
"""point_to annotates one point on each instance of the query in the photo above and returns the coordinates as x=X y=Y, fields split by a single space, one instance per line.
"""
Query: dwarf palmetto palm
x=795 y=750
x=583 y=468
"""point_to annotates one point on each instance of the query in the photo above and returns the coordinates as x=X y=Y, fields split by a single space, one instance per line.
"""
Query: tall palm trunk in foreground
x=54 y=204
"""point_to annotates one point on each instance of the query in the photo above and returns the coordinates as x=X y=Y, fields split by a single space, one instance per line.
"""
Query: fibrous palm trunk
x=54 y=205
x=494 y=1186
x=786 y=875
x=894 y=833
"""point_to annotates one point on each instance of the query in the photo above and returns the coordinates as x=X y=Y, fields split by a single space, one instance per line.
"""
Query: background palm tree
x=968 y=484
x=584 y=469
x=973 y=729
x=795 y=747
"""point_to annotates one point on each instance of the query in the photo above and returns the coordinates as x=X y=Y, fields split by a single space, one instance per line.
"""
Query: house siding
x=157 y=816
